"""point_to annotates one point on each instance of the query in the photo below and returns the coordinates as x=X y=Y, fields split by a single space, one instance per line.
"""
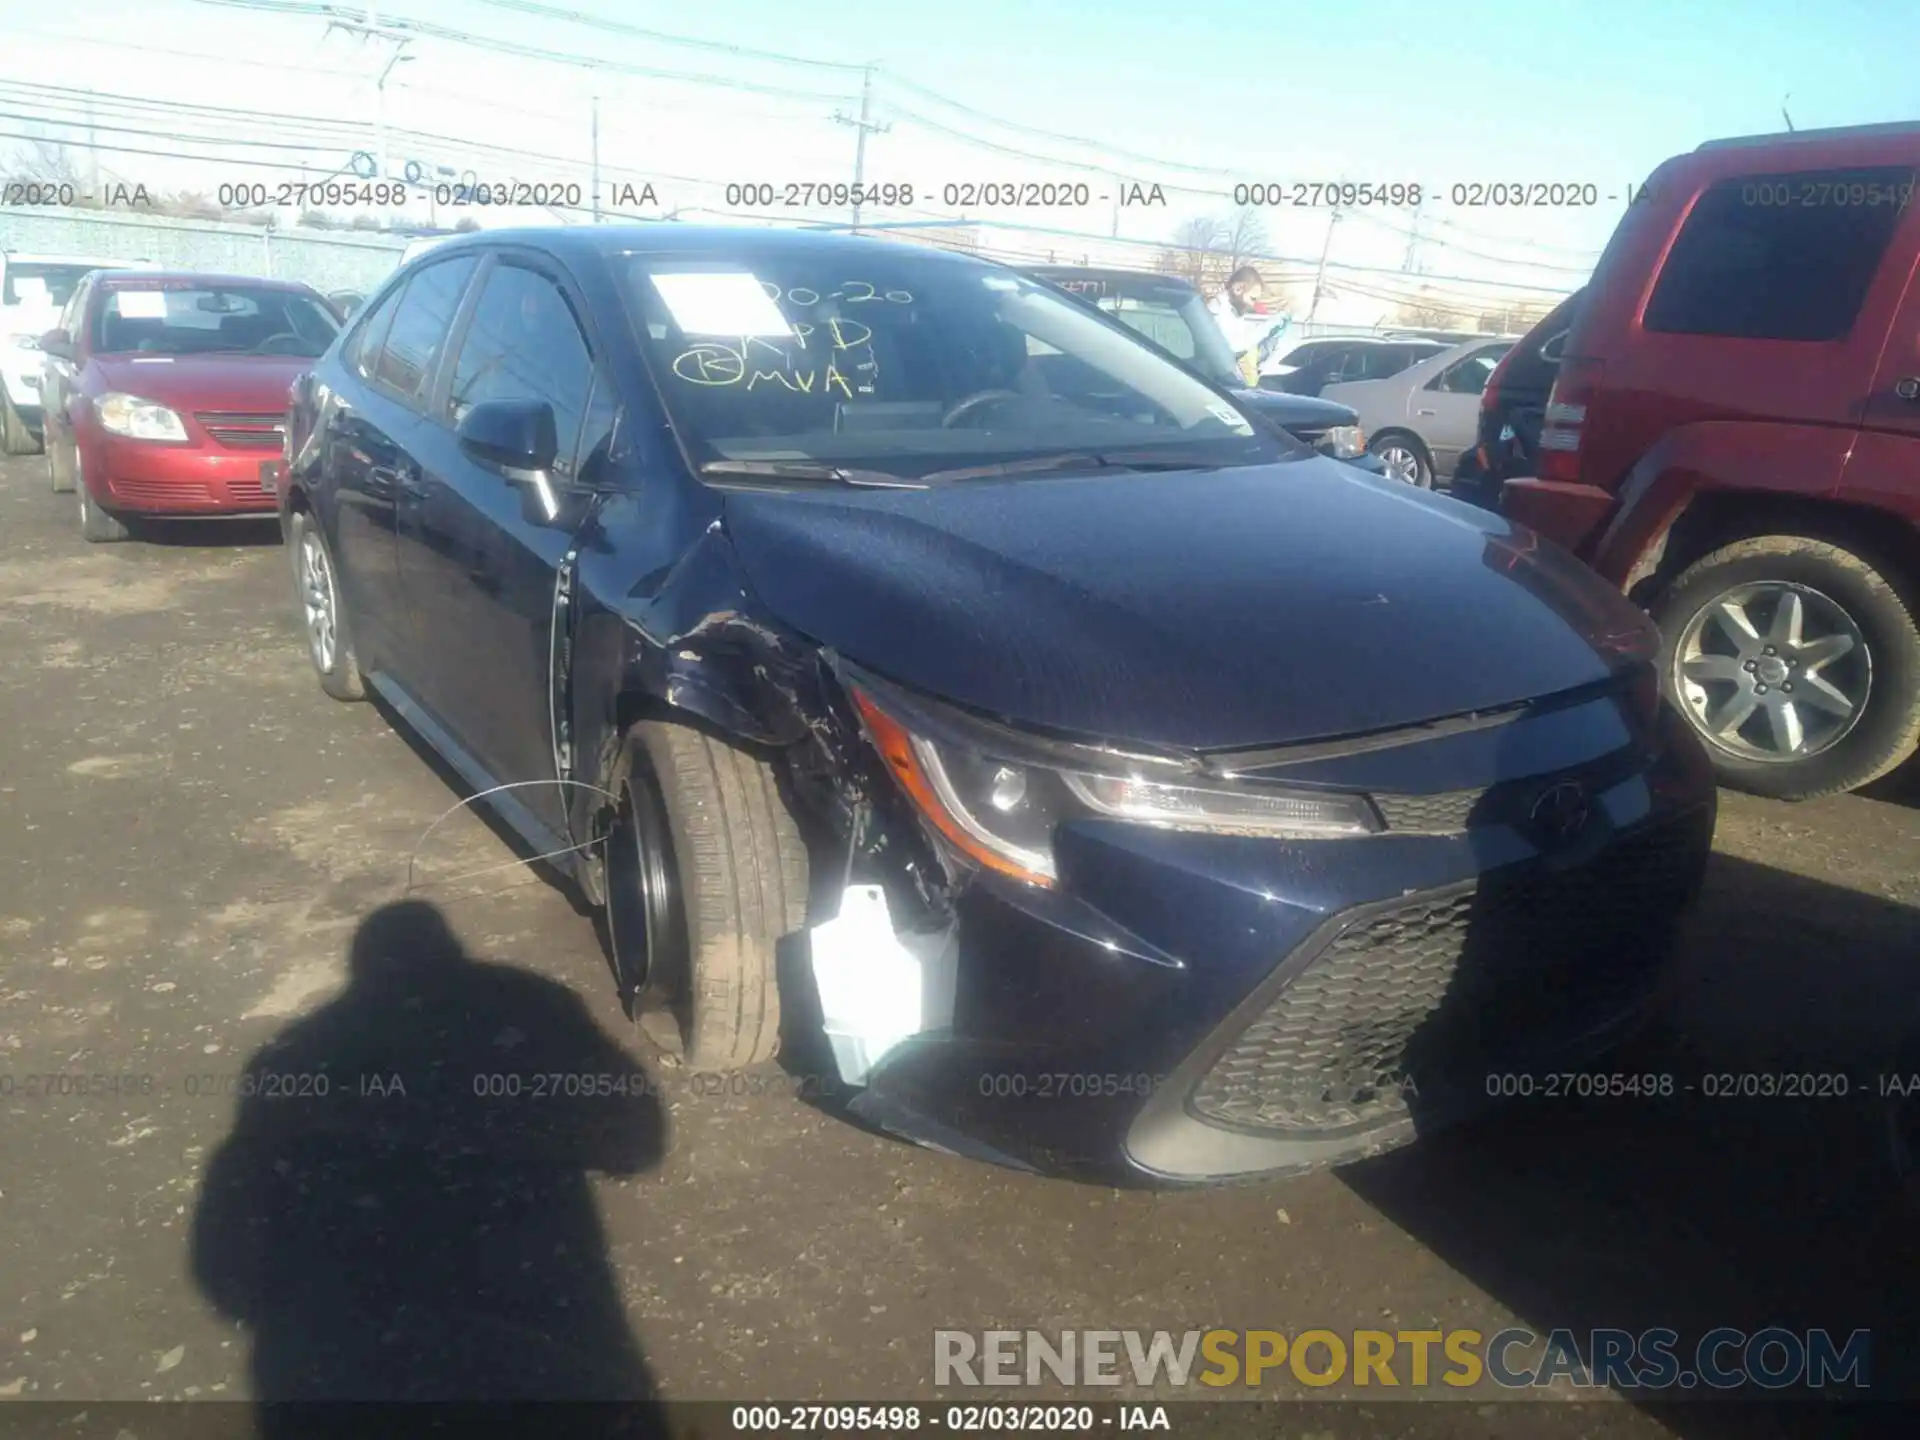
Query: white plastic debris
x=871 y=984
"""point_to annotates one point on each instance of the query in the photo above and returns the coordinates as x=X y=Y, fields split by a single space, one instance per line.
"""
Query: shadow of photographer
x=402 y=1211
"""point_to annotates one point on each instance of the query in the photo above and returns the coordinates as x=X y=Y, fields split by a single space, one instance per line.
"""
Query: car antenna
x=1783 y=111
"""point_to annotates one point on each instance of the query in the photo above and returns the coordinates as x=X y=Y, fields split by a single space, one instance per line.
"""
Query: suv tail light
x=1566 y=418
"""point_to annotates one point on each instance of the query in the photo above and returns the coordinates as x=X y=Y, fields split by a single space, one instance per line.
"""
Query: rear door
x=370 y=459
x=478 y=559
x=1446 y=410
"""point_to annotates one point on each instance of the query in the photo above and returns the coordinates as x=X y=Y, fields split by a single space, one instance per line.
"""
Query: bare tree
x=1245 y=237
x=1197 y=249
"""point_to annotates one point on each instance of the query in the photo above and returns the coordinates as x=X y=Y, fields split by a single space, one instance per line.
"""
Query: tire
x=98 y=525
x=315 y=585
x=1418 y=464
x=59 y=477
x=15 y=437
x=1843 y=593
x=712 y=826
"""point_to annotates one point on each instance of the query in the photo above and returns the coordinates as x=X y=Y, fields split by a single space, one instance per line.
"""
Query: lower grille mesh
x=1438 y=989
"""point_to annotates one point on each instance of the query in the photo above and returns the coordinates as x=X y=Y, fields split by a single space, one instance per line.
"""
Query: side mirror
x=518 y=438
x=512 y=436
x=57 y=343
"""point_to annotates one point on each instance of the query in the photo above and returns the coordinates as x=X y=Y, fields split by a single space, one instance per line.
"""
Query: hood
x=1205 y=610
x=256 y=383
x=1304 y=412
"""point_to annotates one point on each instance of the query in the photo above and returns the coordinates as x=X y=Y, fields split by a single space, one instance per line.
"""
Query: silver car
x=1423 y=419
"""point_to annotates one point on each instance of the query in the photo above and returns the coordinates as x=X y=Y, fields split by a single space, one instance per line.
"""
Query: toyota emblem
x=1561 y=811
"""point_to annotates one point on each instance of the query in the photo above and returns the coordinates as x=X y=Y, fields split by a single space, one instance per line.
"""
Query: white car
x=34 y=289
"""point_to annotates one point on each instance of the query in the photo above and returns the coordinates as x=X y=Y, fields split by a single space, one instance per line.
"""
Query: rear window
x=1779 y=257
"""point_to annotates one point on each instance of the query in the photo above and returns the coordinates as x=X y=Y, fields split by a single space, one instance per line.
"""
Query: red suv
x=1734 y=439
x=166 y=394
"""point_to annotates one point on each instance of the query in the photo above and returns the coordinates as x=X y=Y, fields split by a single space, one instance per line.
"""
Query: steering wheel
x=265 y=347
x=967 y=404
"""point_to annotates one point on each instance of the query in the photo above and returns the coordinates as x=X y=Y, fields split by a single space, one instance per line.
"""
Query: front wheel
x=1405 y=458
x=98 y=526
x=1797 y=661
x=706 y=874
x=59 y=476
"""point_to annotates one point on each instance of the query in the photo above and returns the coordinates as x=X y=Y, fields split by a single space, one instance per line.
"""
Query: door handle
x=1424 y=412
x=1908 y=387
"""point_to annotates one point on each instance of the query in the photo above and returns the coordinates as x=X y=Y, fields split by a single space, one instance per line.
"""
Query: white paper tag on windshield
x=869 y=982
x=731 y=304
x=141 y=304
x=1230 y=417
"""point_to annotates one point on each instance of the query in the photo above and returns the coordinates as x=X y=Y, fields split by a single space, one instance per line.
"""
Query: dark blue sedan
x=920 y=670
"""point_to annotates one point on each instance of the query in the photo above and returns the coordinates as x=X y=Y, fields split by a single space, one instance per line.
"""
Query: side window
x=1469 y=376
x=523 y=344
x=420 y=326
x=75 y=307
x=363 y=350
x=1779 y=257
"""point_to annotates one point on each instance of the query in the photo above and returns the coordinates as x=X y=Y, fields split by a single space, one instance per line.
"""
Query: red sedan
x=166 y=394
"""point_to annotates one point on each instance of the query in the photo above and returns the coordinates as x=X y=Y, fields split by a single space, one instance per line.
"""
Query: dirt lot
x=193 y=833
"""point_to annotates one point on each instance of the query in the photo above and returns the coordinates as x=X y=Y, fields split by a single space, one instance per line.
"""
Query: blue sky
x=1528 y=90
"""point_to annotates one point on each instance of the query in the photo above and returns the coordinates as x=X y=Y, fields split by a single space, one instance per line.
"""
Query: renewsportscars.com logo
x=1725 y=1359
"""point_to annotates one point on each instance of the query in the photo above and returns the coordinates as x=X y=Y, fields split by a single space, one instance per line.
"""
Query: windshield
x=197 y=320
x=1176 y=319
x=41 y=285
x=911 y=364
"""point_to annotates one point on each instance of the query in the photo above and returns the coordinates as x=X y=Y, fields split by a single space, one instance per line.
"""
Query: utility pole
x=93 y=152
x=1411 y=265
x=1320 y=275
x=372 y=29
x=862 y=128
x=596 y=156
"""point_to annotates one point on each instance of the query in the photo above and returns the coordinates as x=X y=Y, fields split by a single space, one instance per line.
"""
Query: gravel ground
x=194 y=835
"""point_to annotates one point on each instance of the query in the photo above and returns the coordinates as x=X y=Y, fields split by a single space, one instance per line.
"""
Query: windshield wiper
x=808 y=470
x=1072 y=460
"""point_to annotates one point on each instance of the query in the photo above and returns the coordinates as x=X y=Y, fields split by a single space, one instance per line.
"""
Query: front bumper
x=1194 y=1009
x=144 y=478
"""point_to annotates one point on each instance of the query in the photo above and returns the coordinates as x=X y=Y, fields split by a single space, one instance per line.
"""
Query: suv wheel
x=1404 y=456
x=706 y=874
x=323 y=616
x=1798 y=663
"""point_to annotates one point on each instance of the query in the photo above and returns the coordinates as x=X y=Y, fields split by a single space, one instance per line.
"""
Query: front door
x=478 y=556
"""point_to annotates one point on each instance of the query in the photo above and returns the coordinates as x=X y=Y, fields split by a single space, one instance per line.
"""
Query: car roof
x=1837 y=133
x=672 y=238
x=198 y=277
x=1111 y=272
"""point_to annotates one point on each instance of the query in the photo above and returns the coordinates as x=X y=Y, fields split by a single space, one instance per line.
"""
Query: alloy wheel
x=1772 y=672
x=1401 y=463
x=318 y=600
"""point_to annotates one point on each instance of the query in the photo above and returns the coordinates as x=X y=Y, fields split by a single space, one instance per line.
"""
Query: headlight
x=1345 y=442
x=138 y=419
x=1001 y=809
